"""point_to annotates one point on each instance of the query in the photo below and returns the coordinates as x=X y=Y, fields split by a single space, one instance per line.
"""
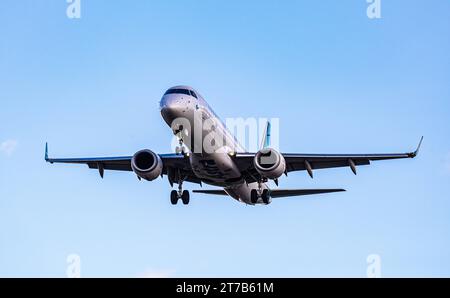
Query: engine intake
x=147 y=164
x=269 y=163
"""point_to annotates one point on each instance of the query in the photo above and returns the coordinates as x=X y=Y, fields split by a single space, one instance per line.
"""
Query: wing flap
x=299 y=164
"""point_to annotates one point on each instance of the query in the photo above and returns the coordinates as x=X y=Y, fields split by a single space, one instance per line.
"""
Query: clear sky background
x=339 y=82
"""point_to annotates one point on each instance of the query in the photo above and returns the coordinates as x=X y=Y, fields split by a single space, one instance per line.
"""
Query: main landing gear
x=255 y=194
x=180 y=194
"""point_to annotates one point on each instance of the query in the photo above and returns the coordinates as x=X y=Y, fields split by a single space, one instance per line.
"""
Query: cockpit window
x=178 y=91
x=193 y=94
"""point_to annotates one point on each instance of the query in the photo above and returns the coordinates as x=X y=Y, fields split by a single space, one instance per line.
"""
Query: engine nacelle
x=269 y=163
x=147 y=164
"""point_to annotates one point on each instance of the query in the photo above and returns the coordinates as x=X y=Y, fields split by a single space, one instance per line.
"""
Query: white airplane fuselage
x=211 y=153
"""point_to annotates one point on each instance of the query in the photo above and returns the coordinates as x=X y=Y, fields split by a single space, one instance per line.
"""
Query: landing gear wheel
x=265 y=196
x=253 y=196
x=174 y=197
x=185 y=197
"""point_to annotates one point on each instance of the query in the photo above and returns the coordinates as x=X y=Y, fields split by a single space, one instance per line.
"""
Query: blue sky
x=339 y=82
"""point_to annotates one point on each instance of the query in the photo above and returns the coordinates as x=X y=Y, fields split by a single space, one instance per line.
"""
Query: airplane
x=242 y=175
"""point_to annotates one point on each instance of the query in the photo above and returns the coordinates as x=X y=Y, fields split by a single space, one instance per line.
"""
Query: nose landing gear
x=181 y=148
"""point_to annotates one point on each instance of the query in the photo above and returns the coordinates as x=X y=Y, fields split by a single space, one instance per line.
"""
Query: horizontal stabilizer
x=281 y=193
x=219 y=192
x=276 y=193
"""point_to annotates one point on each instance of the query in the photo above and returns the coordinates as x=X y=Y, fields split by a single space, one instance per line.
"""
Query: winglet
x=415 y=153
x=266 y=137
x=46 y=151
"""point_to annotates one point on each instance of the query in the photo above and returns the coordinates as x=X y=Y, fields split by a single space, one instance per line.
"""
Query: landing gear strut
x=180 y=149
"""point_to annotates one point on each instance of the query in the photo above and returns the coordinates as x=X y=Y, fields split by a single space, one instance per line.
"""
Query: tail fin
x=265 y=142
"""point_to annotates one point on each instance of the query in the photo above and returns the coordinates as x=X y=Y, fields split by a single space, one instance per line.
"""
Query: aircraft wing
x=171 y=162
x=310 y=162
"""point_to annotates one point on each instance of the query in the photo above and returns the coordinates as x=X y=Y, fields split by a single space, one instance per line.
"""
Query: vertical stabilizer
x=265 y=143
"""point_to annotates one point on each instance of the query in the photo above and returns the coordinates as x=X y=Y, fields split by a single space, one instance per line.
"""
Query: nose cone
x=171 y=107
x=166 y=102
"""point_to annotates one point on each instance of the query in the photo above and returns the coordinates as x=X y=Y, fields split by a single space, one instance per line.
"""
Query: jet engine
x=269 y=163
x=147 y=164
